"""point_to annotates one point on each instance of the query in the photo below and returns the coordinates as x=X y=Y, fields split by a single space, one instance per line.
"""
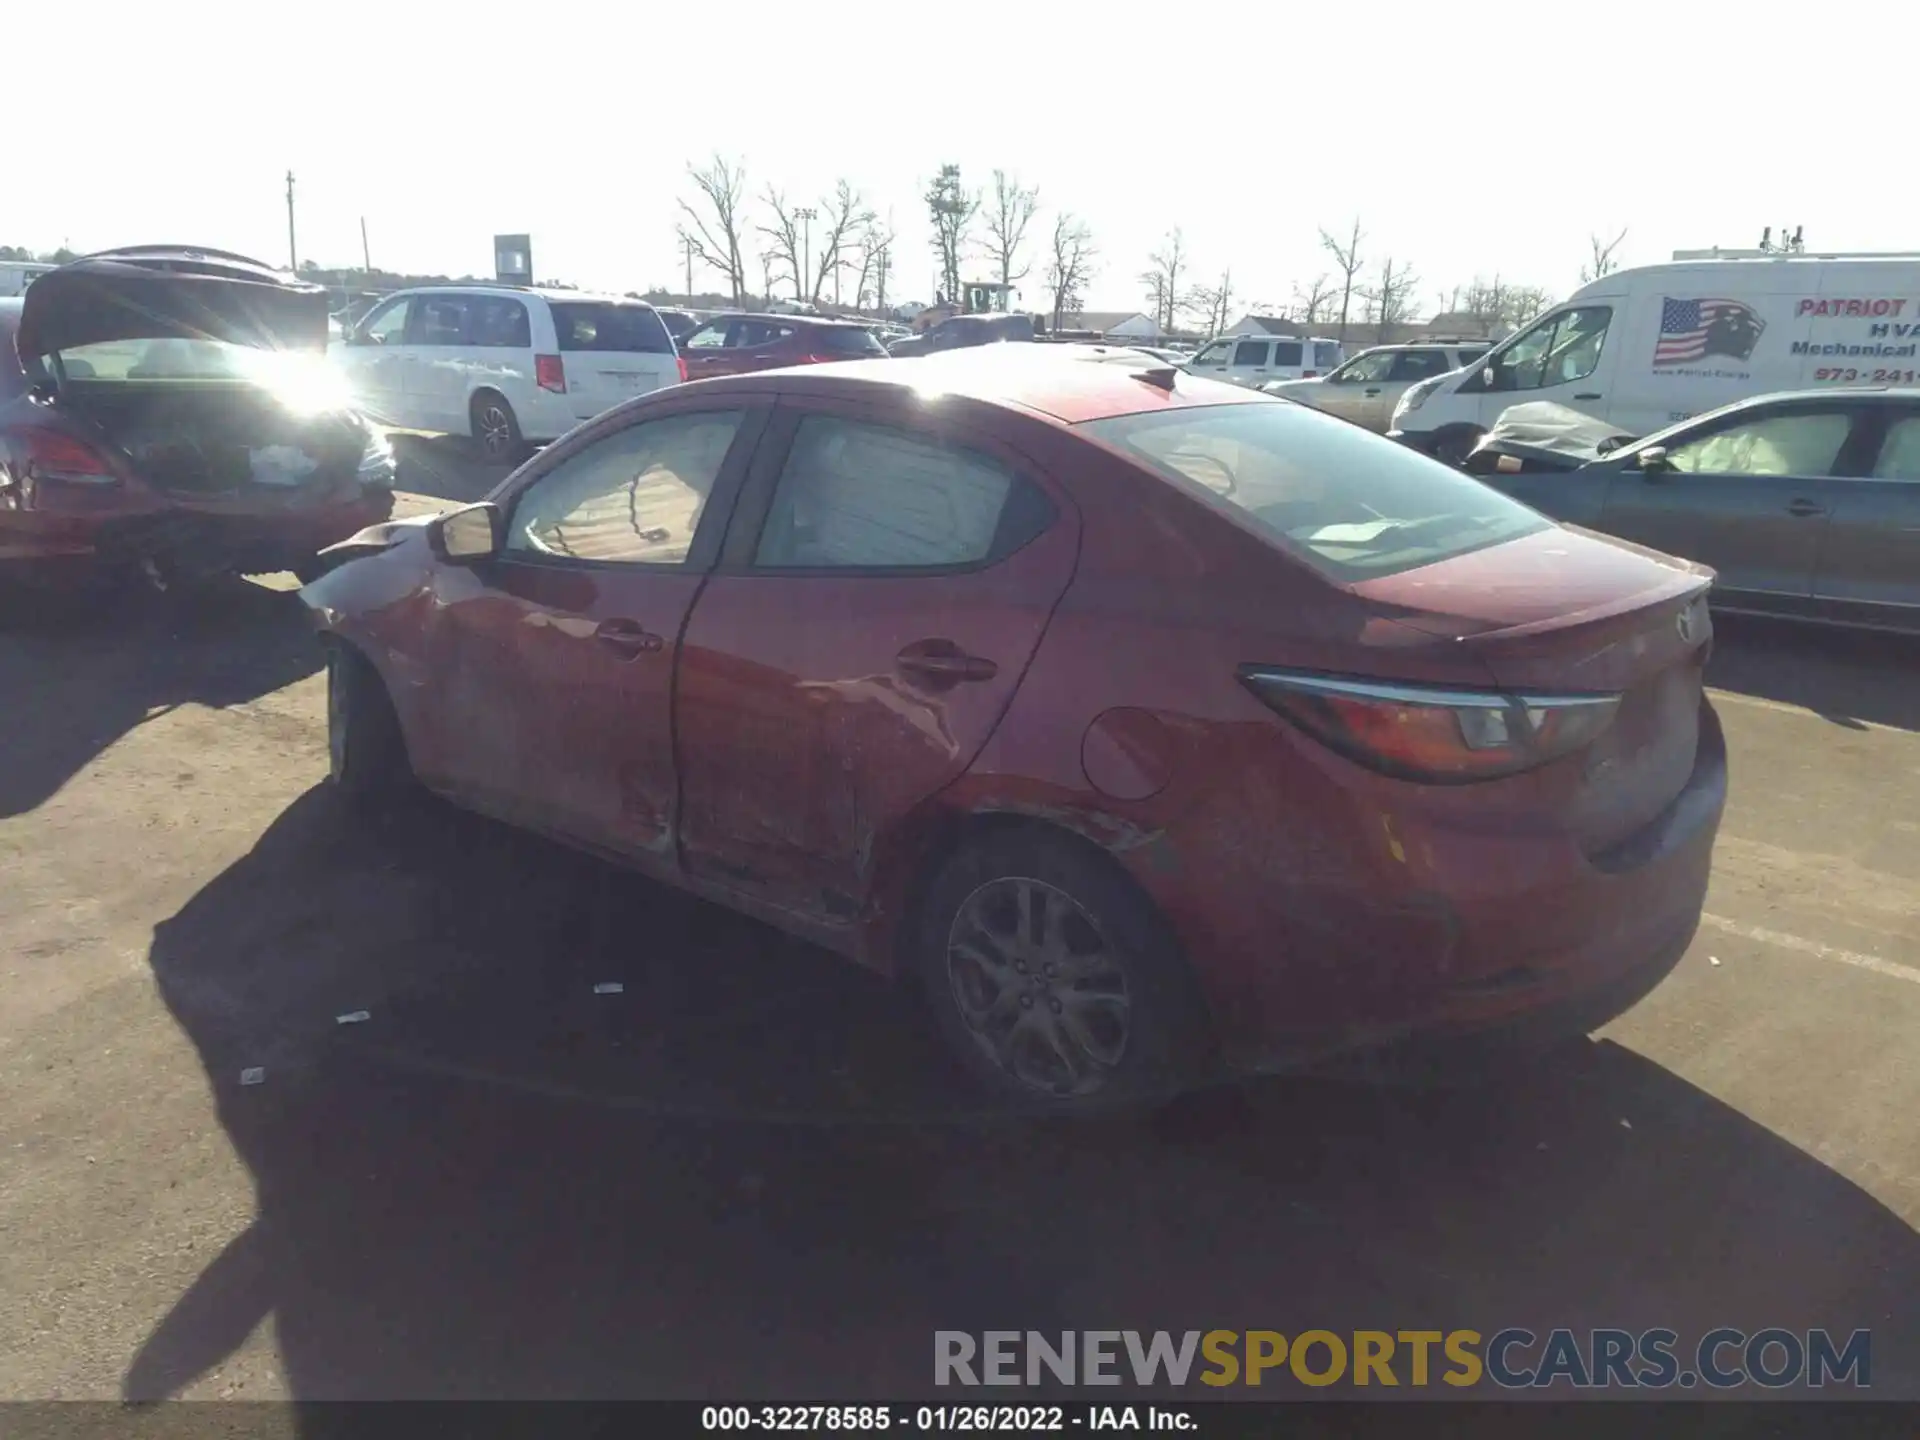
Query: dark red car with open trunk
x=1148 y=725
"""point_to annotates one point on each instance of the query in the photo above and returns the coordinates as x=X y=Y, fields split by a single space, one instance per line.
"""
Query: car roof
x=482 y=287
x=1041 y=380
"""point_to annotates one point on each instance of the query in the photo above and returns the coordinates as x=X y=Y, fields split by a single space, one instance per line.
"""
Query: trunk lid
x=157 y=292
x=612 y=351
x=1566 y=611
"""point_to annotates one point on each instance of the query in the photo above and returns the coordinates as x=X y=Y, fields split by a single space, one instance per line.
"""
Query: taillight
x=550 y=373
x=681 y=361
x=65 y=459
x=1309 y=374
x=1434 y=733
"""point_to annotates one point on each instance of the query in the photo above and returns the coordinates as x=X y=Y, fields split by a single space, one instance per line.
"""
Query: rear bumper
x=1458 y=930
x=53 y=548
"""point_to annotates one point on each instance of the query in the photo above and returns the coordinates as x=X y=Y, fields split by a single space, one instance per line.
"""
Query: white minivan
x=510 y=366
x=1643 y=348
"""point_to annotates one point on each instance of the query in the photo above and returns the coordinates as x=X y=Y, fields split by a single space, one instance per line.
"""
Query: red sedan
x=1149 y=725
x=736 y=344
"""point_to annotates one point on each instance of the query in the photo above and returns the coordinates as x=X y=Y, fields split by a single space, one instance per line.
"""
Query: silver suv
x=1367 y=387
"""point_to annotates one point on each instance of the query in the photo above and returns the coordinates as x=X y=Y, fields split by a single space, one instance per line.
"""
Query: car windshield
x=590 y=325
x=1352 y=505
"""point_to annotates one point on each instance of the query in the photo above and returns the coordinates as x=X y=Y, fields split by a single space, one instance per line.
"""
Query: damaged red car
x=1149 y=726
x=168 y=411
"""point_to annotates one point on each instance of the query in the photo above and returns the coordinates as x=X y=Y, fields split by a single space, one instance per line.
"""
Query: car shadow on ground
x=77 y=673
x=1845 y=676
x=748 y=1173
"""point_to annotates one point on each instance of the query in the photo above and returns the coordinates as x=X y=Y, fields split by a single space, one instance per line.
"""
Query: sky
x=1467 y=139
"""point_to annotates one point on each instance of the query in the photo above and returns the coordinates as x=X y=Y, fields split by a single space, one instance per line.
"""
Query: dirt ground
x=749 y=1174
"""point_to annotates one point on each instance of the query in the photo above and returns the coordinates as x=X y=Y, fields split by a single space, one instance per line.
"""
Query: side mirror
x=1652 y=460
x=467 y=535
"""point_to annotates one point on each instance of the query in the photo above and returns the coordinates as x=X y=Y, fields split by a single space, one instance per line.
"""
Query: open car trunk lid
x=1565 y=611
x=156 y=292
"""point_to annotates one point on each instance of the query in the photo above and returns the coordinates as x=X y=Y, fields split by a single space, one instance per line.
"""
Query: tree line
x=850 y=258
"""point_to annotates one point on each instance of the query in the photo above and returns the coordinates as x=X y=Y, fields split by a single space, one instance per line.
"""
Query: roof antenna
x=1161 y=377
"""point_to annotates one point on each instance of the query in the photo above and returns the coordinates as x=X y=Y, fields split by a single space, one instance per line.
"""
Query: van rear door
x=612 y=351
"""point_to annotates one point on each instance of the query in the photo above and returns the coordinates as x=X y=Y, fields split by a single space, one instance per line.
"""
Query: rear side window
x=866 y=497
x=1350 y=504
x=1899 y=452
x=1288 y=352
x=602 y=325
x=849 y=341
x=1326 y=354
x=440 y=320
x=1250 y=352
x=500 y=322
x=1419 y=364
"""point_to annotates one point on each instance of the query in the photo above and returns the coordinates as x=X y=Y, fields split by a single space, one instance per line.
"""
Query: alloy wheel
x=496 y=431
x=1038 y=986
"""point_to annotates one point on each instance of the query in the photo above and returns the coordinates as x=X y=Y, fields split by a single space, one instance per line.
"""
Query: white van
x=511 y=367
x=1256 y=359
x=1643 y=348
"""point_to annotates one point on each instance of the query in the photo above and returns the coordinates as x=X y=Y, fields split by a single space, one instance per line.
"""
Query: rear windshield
x=1326 y=354
x=850 y=341
x=1349 y=503
x=597 y=325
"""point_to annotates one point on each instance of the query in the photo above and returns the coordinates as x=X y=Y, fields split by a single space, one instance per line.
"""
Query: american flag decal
x=1692 y=330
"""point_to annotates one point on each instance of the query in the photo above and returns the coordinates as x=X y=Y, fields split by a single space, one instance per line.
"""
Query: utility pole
x=366 y=255
x=806 y=215
x=293 y=254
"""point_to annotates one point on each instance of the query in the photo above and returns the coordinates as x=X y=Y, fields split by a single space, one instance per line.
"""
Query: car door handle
x=627 y=638
x=1588 y=395
x=1806 y=507
x=941 y=662
x=1374 y=391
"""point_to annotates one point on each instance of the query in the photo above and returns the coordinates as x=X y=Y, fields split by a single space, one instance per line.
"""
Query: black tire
x=1451 y=447
x=1009 y=1024
x=496 y=429
x=366 y=753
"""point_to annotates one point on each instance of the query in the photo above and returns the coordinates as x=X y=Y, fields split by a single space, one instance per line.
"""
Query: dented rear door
x=889 y=577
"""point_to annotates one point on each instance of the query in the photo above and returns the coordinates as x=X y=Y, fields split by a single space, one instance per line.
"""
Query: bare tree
x=1347 y=260
x=876 y=261
x=1162 y=278
x=1602 y=261
x=1316 y=301
x=1009 y=210
x=1524 y=302
x=1214 y=302
x=767 y=261
x=1390 y=298
x=783 y=236
x=712 y=226
x=1071 y=266
x=951 y=210
x=845 y=215
x=1499 y=306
